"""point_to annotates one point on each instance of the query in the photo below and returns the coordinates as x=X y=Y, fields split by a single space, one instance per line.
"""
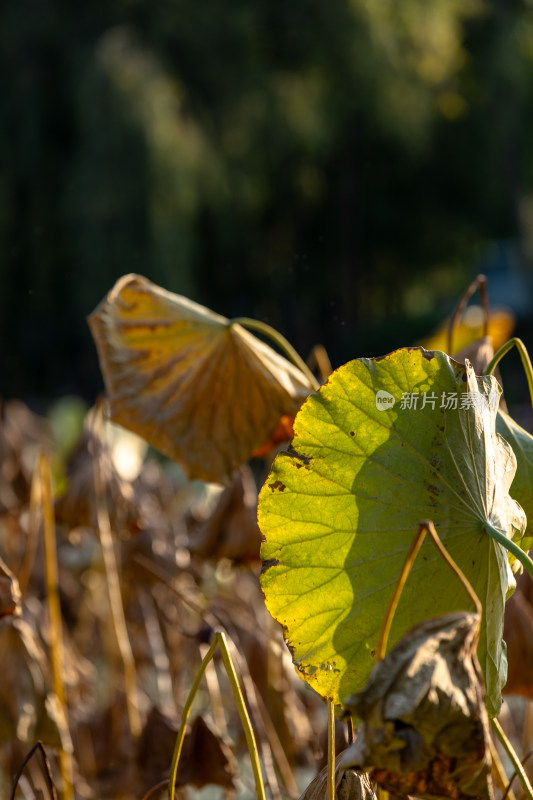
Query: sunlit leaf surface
x=198 y=387
x=384 y=444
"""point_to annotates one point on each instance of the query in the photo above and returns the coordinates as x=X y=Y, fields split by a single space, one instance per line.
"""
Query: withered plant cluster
x=185 y=559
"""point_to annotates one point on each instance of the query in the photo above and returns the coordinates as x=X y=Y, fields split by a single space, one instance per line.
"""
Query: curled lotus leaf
x=198 y=387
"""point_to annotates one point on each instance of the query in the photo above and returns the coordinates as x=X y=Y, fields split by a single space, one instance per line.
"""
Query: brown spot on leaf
x=267 y=563
x=429 y=354
x=306 y=460
x=277 y=485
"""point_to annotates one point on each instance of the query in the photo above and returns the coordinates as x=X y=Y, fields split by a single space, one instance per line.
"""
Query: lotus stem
x=524 y=355
x=284 y=345
x=515 y=761
x=423 y=529
x=220 y=640
x=480 y=282
x=331 y=750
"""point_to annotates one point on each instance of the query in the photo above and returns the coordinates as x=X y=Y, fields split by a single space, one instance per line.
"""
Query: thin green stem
x=281 y=342
x=185 y=716
x=515 y=761
x=381 y=649
x=467 y=586
x=331 y=750
x=513 y=548
x=243 y=713
x=499 y=776
x=220 y=640
x=524 y=355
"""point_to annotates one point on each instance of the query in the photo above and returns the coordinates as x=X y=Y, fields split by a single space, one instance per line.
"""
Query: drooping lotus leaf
x=384 y=444
x=196 y=386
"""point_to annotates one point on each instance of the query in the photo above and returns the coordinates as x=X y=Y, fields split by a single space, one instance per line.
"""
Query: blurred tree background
x=334 y=169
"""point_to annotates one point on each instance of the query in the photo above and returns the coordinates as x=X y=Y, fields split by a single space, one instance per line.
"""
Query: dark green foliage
x=250 y=155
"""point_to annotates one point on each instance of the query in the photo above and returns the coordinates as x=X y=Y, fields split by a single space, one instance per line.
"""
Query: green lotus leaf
x=384 y=444
x=522 y=443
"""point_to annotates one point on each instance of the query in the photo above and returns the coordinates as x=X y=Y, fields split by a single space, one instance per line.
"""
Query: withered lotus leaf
x=425 y=725
x=196 y=386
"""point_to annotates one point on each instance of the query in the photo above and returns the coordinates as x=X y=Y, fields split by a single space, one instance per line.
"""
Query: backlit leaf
x=198 y=387
x=339 y=511
x=522 y=443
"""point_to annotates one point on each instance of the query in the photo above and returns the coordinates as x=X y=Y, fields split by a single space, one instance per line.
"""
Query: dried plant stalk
x=113 y=588
x=54 y=610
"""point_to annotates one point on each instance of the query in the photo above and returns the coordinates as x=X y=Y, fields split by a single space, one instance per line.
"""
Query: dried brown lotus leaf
x=350 y=784
x=201 y=389
x=425 y=725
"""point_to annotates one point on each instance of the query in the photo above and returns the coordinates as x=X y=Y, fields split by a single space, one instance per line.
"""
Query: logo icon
x=384 y=400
